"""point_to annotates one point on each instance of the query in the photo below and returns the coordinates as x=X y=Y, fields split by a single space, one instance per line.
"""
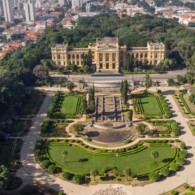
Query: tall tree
x=124 y=91
x=130 y=116
x=148 y=81
x=155 y=154
x=91 y=102
x=70 y=86
x=64 y=154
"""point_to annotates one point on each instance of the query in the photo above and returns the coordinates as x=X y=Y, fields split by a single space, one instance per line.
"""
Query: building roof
x=107 y=40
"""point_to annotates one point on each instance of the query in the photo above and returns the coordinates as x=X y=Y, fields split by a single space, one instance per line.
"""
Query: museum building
x=108 y=54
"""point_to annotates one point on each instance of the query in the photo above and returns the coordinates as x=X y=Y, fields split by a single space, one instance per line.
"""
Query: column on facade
x=97 y=62
x=104 y=60
x=117 y=61
x=110 y=60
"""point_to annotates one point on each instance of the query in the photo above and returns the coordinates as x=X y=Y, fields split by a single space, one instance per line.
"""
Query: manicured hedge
x=178 y=160
x=54 y=110
x=181 y=94
x=171 y=126
x=164 y=108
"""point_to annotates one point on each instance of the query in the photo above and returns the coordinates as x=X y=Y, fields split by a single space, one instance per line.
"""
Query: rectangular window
x=113 y=66
x=107 y=57
x=101 y=65
x=107 y=66
x=113 y=57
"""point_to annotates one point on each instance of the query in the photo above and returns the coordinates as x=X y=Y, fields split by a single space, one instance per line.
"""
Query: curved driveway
x=31 y=171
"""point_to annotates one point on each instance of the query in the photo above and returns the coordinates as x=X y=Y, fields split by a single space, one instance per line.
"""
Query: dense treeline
x=16 y=70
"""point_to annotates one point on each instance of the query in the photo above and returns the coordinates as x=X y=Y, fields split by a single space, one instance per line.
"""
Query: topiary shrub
x=67 y=175
x=183 y=145
x=183 y=154
x=174 y=167
x=52 y=169
x=45 y=163
x=180 y=161
x=42 y=158
x=79 y=179
x=165 y=172
x=174 y=192
x=154 y=176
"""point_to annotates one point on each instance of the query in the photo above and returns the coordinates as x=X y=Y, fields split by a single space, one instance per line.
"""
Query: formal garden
x=66 y=105
x=191 y=124
x=72 y=158
x=186 y=106
x=54 y=128
x=151 y=105
x=165 y=128
x=182 y=189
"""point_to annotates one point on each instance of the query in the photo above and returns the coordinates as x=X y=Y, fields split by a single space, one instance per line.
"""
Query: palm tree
x=155 y=154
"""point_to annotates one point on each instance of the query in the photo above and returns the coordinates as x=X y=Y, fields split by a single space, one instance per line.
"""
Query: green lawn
x=149 y=104
x=69 y=105
x=140 y=162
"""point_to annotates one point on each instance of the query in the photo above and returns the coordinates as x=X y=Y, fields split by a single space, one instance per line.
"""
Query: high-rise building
x=61 y=2
x=78 y=3
x=29 y=9
x=8 y=10
x=38 y=3
x=88 y=7
x=75 y=4
x=1 y=8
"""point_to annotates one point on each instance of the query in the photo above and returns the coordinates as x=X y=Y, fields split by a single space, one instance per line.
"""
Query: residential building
x=38 y=4
x=8 y=10
x=29 y=9
x=61 y=2
x=108 y=54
